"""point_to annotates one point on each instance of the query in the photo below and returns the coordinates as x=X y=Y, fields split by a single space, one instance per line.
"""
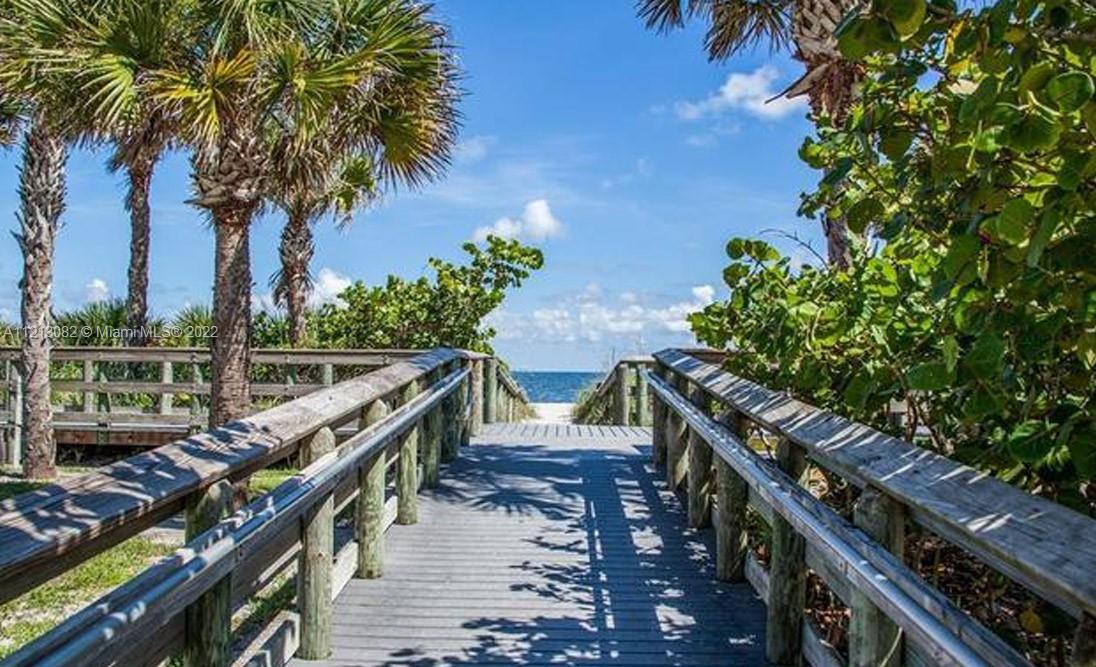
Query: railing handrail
x=1045 y=546
x=259 y=355
x=949 y=636
x=146 y=602
x=48 y=531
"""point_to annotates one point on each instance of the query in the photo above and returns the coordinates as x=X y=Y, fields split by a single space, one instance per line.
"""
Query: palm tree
x=808 y=25
x=251 y=84
x=34 y=91
x=402 y=134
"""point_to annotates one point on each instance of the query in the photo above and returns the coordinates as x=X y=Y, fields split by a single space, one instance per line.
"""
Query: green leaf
x=863 y=213
x=736 y=248
x=1028 y=443
x=1073 y=168
x=905 y=15
x=1034 y=131
x=735 y=273
x=1011 y=225
x=1082 y=451
x=929 y=376
x=864 y=35
x=894 y=144
x=1048 y=224
x=950 y=348
x=963 y=249
x=980 y=404
x=1070 y=91
x=859 y=389
x=985 y=356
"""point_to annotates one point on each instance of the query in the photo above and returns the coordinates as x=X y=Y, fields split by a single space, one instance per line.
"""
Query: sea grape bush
x=966 y=169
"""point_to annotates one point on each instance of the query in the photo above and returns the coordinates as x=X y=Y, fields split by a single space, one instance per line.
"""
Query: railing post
x=700 y=470
x=451 y=426
x=167 y=377
x=643 y=398
x=370 y=510
x=621 y=408
x=89 y=376
x=407 y=478
x=732 y=544
x=476 y=423
x=676 y=440
x=432 y=435
x=659 y=424
x=490 y=390
x=195 y=398
x=1084 y=642
x=327 y=374
x=15 y=400
x=208 y=640
x=874 y=640
x=787 y=573
x=316 y=561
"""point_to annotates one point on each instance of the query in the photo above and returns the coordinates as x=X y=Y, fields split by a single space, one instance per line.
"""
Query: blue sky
x=624 y=154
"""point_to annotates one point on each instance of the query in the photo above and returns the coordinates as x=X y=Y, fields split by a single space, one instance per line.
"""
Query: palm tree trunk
x=296 y=254
x=140 y=179
x=231 y=315
x=42 y=201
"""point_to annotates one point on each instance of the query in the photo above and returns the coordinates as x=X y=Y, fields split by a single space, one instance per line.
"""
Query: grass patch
x=265 y=480
x=35 y=612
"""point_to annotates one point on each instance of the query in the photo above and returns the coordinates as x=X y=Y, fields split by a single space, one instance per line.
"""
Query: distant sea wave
x=555 y=386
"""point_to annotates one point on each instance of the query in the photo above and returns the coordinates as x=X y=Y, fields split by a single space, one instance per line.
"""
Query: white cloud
x=473 y=149
x=537 y=223
x=96 y=290
x=586 y=317
x=746 y=92
x=329 y=284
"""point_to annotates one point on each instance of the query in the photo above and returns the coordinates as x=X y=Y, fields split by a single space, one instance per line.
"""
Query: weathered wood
x=1084 y=642
x=787 y=574
x=676 y=442
x=1044 y=546
x=52 y=529
x=643 y=398
x=622 y=409
x=450 y=426
x=490 y=390
x=658 y=425
x=89 y=377
x=316 y=560
x=477 y=397
x=167 y=377
x=209 y=619
x=700 y=473
x=945 y=634
x=15 y=405
x=874 y=640
x=370 y=513
x=407 y=474
x=327 y=374
x=432 y=437
x=732 y=541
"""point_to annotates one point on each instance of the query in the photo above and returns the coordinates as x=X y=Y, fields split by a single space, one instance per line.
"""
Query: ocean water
x=555 y=386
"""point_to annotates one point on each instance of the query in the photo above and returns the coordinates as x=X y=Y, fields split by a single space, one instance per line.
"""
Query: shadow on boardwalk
x=538 y=554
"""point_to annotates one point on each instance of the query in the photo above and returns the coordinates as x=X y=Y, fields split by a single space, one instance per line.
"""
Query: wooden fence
x=145 y=397
x=406 y=418
x=705 y=420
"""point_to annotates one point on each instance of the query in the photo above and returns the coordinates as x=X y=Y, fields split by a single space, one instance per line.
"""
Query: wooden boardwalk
x=548 y=544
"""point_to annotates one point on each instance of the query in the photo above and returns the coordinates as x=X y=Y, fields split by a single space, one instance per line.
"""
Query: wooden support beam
x=874 y=640
x=643 y=398
x=327 y=374
x=89 y=376
x=208 y=640
x=490 y=390
x=658 y=425
x=700 y=472
x=732 y=543
x=787 y=573
x=370 y=510
x=622 y=409
x=167 y=377
x=432 y=437
x=316 y=561
x=451 y=427
x=676 y=441
x=407 y=477
x=476 y=424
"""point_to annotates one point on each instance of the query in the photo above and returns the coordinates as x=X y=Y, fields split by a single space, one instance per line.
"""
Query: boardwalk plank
x=547 y=545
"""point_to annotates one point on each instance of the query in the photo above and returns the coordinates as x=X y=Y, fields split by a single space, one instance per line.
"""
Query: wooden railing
x=622 y=397
x=152 y=396
x=406 y=418
x=704 y=421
